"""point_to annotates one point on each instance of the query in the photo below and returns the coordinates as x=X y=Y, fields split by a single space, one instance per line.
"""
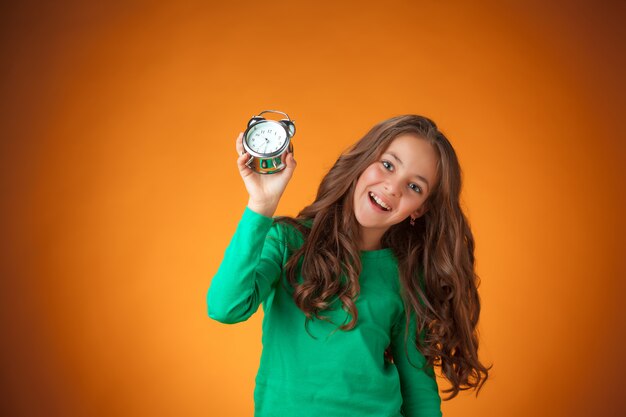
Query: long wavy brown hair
x=435 y=256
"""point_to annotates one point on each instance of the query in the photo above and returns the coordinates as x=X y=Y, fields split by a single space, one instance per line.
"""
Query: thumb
x=291 y=163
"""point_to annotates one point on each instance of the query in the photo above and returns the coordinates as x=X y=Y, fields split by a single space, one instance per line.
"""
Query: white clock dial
x=266 y=138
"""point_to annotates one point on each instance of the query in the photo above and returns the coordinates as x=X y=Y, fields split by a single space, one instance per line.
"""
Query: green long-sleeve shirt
x=322 y=372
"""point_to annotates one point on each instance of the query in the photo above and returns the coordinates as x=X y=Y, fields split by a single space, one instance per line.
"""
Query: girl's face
x=394 y=187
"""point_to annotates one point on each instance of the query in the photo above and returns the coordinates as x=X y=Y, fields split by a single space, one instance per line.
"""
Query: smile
x=379 y=202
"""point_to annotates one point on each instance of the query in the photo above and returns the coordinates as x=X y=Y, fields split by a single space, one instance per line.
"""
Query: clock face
x=266 y=138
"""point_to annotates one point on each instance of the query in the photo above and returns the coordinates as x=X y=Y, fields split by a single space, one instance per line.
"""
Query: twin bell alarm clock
x=267 y=140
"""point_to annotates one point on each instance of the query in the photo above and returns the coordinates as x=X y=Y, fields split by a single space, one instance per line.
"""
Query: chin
x=365 y=221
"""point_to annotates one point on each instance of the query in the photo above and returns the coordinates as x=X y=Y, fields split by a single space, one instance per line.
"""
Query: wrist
x=265 y=209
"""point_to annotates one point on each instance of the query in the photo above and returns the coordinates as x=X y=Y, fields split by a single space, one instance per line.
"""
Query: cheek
x=412 y=206
x=371 y=175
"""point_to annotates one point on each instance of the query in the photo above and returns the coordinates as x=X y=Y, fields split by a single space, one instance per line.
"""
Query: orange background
x=120 y=190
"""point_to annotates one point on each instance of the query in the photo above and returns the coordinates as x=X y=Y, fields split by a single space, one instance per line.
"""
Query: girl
x=367 y=289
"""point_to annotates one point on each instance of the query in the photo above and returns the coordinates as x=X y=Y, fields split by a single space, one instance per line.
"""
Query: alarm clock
x=267 y=140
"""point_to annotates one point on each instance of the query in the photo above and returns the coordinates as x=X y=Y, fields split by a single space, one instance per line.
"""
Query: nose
x=392 y=188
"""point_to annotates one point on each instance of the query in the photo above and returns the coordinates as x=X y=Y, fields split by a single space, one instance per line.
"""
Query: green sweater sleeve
x=420 y=394
x=251 y=265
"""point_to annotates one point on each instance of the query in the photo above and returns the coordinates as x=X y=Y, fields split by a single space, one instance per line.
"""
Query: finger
x=239 y=143
x=242 y=160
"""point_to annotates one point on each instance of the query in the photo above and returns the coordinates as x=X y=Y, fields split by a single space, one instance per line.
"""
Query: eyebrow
x=416 y=175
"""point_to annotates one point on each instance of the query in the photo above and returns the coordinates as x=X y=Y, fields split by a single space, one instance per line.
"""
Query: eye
x=415 y=187
x=388 y=166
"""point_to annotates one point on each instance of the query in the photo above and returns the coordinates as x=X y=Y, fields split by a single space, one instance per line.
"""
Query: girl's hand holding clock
x=264 y=190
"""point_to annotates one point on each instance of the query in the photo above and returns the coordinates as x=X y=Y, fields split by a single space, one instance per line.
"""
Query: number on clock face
x=266 y=138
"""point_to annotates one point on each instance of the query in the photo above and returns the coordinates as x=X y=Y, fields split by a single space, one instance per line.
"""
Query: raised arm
x=252 y=261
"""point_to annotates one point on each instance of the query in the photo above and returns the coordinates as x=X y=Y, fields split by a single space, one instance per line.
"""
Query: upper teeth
x=379 y=201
